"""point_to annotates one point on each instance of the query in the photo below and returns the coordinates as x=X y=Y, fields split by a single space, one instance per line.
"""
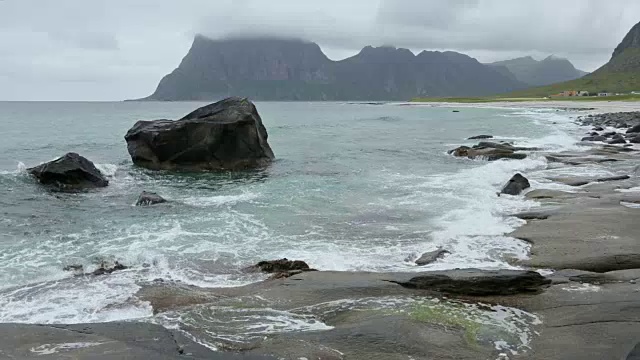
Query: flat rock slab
x=580 y=160
x=388 y=337
x=479 y=282
x=579 y=181
x=107 y=341
x=591 y=234
x=541 y=194
x=582 y=321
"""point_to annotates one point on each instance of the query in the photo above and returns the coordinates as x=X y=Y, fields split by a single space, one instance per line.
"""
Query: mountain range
x=289 y=69
x=537 y=73
x=620 y=75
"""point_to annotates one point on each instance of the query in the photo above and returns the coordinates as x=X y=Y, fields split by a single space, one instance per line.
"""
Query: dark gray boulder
x=617 y=140
x=149 y=198
x=227 y=135
x=594 y=138
x=69 y=172
x=635 y=353
x=598 y=128
x=634 y=129
x=476 y=282
x=278 y=266
x=105 y=269
x=635 y=140
x=430 y=257
x=480 y=137
x=516 y=185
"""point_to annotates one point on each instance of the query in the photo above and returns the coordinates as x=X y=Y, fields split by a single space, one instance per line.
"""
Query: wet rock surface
x=491 y=151
x=431 y=257
x=108 y=341
x=106 y=269
x=279 y=266
x=227 y=135
x=69 y=172
x=479 y=282
x=147 y=198
x=480 y=137
x=516 y=185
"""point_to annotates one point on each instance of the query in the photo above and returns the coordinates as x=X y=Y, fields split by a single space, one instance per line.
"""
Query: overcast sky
x=119 y=49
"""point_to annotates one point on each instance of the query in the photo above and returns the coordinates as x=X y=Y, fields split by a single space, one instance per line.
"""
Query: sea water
x=355 y=187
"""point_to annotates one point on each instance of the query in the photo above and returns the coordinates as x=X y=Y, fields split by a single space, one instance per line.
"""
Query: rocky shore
x=577 y=296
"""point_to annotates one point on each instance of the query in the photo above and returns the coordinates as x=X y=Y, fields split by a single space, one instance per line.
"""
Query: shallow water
x=355 y=187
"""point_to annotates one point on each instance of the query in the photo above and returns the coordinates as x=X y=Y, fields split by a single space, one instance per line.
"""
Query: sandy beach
x=591 y=107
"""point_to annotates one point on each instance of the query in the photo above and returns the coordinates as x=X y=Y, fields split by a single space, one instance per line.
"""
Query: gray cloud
x=117 y=49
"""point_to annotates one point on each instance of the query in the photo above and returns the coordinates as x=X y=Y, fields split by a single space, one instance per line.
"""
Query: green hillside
x=620 y=75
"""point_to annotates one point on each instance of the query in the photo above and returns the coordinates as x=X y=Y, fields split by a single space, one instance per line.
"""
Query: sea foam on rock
x=227 y=135
x=69 y=172
x=147 y=198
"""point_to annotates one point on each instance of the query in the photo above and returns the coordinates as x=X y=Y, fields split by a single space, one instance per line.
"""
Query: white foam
x=629 y=190
x=582 y=288
x=219 y=200
x=20 y=168
x=107 y=169
x=48 y=349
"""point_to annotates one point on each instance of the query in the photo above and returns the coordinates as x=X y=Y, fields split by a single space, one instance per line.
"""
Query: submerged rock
x=227 y=135
x=430 y=257
x=112 y=340
x=149 y=198
x=516 y=185
x=480 y=137
x=617 y=140
x=74 y=268
x=476 y=282
x=105 y=270
x=69 y=172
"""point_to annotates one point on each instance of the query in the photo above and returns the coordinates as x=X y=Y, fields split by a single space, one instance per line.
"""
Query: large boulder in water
x=516 y=185
x=227 y=135
x=69 y=172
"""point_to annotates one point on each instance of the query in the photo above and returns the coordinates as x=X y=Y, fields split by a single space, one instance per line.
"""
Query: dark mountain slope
x=537 y=73
x=620 y=75
x=281 y=69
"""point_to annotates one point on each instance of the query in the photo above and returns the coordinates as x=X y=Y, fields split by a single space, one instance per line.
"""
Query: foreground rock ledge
x=69 y=172
x=227 y=135
x=107 y=341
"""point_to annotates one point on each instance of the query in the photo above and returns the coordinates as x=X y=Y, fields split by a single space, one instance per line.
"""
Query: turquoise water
x=354 y=187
